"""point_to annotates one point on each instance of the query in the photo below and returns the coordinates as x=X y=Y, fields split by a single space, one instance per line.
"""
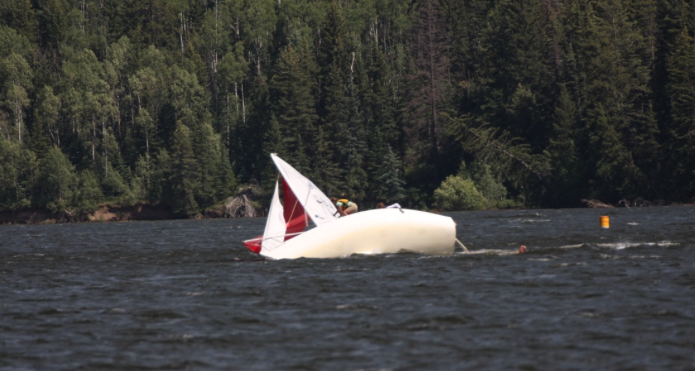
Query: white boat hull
x=380 y=231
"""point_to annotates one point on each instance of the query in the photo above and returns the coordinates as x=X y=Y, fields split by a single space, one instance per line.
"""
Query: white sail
x=316 y=203
x=275 y=227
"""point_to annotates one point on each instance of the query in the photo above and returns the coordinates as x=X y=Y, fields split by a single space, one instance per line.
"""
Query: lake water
x=172 y=295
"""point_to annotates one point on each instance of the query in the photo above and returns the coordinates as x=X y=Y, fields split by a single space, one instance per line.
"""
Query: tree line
x=455 y=104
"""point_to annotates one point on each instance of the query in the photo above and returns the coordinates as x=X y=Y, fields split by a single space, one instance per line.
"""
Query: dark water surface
x=187 y=295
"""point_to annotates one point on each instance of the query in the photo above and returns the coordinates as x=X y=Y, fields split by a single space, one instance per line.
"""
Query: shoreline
x=105 y=213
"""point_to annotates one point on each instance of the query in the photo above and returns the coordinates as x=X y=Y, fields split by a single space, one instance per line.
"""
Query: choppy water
x=187 y=295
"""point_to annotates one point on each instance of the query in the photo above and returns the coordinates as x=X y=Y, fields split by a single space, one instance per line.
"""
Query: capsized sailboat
x=387 y=230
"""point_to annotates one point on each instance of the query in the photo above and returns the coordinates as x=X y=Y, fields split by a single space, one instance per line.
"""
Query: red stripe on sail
x=295 y=215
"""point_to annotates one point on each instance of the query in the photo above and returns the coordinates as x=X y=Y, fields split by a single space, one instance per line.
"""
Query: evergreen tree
x=296 y=115
x=325 y=170
x=333 y=61
x=615 y=174
x=353 y=146
x=162 y=177
x=564 y=154
x=184 y=181
x=681 y=132
x=515 y=87
x=616 y=80
x=429 y=89
x=391 y=183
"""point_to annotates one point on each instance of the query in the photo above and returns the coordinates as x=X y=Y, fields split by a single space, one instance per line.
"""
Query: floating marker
x=605 y=222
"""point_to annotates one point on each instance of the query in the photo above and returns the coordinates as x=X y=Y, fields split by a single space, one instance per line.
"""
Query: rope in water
x=464 y=247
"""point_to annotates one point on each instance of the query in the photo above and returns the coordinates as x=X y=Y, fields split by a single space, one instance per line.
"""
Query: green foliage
x=16 y=79
x=296 y=115
x=564 y=153
x=173 y=101
x=326 y=171
x=19 y=15
x=13 y=42
x=184 y=181
x=57 y=181
x=18 y=171
x=680 y=130
x=456 y=193
x=486 y=182
x=390 y=179
x=159 y=190
x=87 y=194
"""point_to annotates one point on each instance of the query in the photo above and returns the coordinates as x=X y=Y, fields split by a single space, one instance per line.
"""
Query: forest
x=447 y=104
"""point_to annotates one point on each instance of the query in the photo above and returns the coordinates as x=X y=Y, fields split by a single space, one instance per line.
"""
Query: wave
x=627 y=245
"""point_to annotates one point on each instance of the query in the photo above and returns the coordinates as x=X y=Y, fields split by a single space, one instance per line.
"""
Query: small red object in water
x=522 y=249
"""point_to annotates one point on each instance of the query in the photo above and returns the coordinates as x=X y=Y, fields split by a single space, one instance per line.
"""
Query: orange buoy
x=605 y=222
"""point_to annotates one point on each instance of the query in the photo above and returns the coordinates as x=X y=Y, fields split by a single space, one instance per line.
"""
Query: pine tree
x=353 y=147
x=334 y=69
x=429 y=89
x=184 y=177
x=681 y=133
x=515 y=81
x=332 y=58
x=291 y=88
x=613 y=74
x=391 y=183
x=564 y=154
x=325 y=171
x=616 y=176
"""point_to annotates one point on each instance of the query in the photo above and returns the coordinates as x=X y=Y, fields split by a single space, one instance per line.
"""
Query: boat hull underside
x=380 y=231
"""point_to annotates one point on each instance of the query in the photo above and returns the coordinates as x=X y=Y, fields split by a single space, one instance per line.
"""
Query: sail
x=295 y=215
x=301 y=200
x=275 y=227
x=317 y=205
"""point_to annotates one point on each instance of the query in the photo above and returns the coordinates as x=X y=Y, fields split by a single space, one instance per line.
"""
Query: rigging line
x=294 y=207
x=306 y=221
x=271 y=237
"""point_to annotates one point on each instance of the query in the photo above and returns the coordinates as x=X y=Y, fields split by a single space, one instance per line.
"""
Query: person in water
x=345 y=206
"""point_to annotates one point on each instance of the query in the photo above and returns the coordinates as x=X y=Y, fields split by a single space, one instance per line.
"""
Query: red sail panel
x=254 y=244
x=295 y=215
